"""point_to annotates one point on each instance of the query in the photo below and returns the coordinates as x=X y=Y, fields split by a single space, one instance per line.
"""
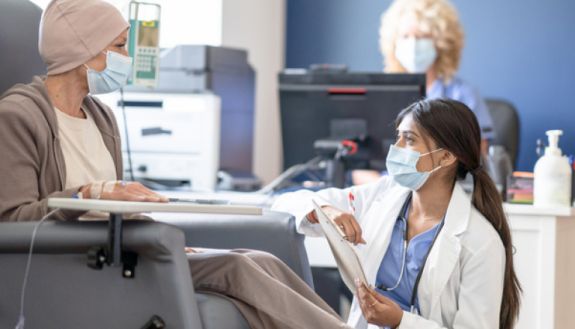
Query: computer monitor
x=364 y=106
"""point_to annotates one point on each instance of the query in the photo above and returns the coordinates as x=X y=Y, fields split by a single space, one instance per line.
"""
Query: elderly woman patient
x=57 y=140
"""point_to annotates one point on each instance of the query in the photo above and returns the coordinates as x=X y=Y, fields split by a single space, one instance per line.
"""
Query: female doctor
x=433 y=256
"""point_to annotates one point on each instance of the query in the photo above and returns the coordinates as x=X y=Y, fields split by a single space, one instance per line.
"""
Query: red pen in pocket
x=351 y=198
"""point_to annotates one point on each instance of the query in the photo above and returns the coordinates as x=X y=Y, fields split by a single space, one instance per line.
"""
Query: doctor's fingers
x=348 y=231
x=358 y=231
x=375 y=312
x=385 y=312
x=366 y=300
x=363 y=294
x=381 y=298
x=350 y=228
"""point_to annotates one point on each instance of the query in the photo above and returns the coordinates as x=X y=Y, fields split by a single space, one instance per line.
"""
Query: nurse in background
x=425 y=36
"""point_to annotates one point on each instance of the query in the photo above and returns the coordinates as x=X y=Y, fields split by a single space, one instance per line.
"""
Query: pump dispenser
x=552 y=182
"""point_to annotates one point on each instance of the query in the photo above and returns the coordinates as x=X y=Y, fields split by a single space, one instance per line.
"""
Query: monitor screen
x=361 y=106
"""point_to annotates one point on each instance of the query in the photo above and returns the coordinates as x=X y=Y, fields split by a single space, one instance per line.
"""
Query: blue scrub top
x=390 y=267
x=460 y=90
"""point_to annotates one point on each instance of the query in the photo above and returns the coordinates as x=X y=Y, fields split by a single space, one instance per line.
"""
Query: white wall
x=182 y=22
x=259 y=27
x=185 y=22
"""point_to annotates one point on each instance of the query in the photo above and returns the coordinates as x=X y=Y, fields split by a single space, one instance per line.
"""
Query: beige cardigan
x=32 y=166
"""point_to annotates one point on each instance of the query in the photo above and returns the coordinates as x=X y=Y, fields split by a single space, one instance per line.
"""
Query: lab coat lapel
x=444 y=256
x=384 y=211
x=380 y=219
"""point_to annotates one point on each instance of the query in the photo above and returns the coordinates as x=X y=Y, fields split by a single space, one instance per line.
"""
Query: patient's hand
x=123 y=191
x=133 y=191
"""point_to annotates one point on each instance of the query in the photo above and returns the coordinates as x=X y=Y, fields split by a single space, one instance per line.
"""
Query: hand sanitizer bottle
x=552 y=182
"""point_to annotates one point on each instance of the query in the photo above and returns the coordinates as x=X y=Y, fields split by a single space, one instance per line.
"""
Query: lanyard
x=403 y=216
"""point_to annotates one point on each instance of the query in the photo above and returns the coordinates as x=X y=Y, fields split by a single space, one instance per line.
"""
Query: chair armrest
x=273 y=232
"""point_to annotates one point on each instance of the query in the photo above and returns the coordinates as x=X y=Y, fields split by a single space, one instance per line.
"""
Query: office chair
x=506 y=125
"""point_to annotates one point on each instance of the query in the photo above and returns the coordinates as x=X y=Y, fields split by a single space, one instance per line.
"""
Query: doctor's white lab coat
x=462 y=282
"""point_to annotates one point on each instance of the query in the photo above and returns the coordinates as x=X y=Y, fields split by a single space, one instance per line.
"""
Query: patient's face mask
x=415 y=55
x=401 y=165
x=113 y=77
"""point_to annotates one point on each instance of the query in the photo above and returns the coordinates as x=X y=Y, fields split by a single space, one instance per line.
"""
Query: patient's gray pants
x=265 y=290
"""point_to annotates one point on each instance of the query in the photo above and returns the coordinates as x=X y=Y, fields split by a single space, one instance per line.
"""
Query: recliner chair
x=19 y=60
x=273 y=232
x=63 y=292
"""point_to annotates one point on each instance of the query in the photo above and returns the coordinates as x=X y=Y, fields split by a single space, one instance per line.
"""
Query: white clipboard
x=346 y=257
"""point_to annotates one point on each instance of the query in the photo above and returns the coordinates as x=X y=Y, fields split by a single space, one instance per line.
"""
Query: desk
x=544 y=261
x=545 y=265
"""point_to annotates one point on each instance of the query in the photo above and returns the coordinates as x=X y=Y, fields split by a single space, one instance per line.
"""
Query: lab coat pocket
x=449 y=298
x=444 y=265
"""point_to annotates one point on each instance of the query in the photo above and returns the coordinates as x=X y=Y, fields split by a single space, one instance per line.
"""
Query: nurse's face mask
x=113 y=77
x=401 y=165
x=416 y=55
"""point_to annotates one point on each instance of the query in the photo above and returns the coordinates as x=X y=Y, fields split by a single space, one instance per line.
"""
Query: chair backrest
x=507 y=126
x=64 y=293
x=273 y=232
x=19 y=59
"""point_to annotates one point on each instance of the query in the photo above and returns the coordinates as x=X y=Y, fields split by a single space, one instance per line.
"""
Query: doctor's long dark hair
x=453 y=126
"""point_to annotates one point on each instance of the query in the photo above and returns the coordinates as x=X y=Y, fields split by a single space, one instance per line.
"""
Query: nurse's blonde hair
x=437 y=18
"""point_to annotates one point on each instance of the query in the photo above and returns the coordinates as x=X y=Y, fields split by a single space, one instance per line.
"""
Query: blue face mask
x=113 y=77
x=401 y=165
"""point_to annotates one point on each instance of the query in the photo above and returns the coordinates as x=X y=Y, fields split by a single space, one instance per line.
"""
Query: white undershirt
x=85 y=154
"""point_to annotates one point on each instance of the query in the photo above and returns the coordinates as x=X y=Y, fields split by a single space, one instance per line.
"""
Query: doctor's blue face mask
x=113 y=77
x=401 y=165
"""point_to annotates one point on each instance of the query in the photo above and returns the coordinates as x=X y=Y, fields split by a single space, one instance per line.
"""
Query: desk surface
x=121 y=207
x=520 y=209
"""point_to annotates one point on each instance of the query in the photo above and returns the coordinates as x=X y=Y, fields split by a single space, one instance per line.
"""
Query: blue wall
x=520 y=50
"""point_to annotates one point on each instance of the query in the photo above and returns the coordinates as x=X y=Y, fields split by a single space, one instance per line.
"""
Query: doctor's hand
x=345 y=221
x=378 y=309
x=121 y=191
